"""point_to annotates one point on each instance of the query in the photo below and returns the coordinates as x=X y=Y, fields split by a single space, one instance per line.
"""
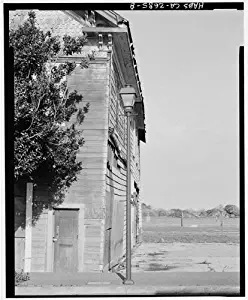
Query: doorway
x=66 y=240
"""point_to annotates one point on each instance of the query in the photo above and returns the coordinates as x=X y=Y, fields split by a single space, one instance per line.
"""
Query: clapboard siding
x=89 y=189
x=115 y=198
x=58 y=22
x=92 y=245
x=93 y=149
x=93 y=187
x=92 y=84
x=99 y=85
x=116 y=175
x=90 y=153
x=86 y=171
x=89 y=162
x=94 y=177
x=118 y=121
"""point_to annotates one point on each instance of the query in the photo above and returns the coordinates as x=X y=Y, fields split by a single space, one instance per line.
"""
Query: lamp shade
x=128 y=96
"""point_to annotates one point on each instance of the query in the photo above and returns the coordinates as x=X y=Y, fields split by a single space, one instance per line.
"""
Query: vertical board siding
x=28 y=227
x=19 y=249
x=39 y=244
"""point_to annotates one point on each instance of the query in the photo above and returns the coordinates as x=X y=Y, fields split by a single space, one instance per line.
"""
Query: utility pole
x=181 y=218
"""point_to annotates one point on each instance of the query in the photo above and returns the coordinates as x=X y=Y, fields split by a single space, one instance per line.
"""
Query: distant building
x=87 y=232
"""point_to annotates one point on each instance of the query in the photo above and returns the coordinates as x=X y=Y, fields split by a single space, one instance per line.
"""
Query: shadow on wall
x=43 y=199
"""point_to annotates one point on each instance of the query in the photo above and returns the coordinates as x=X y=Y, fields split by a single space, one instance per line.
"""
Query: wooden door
x=66 y=241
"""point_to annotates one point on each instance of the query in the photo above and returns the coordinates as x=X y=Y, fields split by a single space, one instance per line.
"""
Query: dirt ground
x=186 y=257
x=205 y=230
x=201 y=245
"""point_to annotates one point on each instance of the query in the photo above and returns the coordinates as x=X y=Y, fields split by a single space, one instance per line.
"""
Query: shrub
x=21 y=277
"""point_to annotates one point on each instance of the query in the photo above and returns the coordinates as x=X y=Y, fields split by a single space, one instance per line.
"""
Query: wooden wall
x=58 y=22
x=92 y=84
x=115 y=234
x=101 y=189
x=89 y=189
x=118 y=121
x=39 y=244
x=19 y=249
x=115 y=207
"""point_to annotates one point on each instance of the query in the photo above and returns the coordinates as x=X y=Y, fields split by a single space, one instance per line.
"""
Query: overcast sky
x=188 y=66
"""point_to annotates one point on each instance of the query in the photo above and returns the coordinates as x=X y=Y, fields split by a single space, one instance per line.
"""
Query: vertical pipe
x=128 y=279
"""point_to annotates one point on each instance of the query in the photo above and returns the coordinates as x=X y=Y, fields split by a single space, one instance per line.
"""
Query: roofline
x=116 y=18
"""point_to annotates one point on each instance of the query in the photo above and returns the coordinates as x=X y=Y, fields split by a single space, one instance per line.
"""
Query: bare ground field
x=169 y=230
x=202 y=245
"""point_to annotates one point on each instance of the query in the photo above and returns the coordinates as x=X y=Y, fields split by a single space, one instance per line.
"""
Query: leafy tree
x=161 y=212
x=175 y=212
x=232 y=210
x=45 y=142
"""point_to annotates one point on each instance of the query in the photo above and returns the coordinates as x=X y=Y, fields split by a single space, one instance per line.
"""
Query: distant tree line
x=228 y=211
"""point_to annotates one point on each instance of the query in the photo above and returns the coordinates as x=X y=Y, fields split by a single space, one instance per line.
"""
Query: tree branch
x=35 y=112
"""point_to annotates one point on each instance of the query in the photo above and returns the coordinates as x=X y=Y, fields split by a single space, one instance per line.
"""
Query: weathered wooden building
x=87 y=232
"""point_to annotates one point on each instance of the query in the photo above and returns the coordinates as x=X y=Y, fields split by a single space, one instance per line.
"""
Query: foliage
x=232 y=210
x=228 y=211
x=176 y=213
x=161 y=212
x=21 y=277
x=45 y=142
x=147 y=210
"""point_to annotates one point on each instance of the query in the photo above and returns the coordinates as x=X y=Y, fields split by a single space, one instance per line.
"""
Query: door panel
x=66 y=241
x=116 y=250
